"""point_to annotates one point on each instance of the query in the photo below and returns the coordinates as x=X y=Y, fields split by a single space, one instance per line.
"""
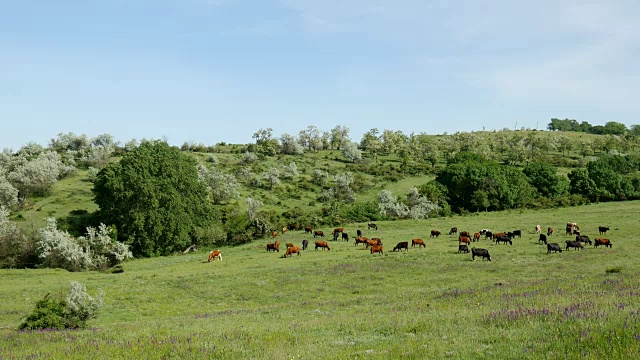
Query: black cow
x=576 y=232
x=488 y=235
x=504 y=239
x=463 y=248
x=402 y=245
x=584 y=239
x=517 y=233
x=574 y=244
x=453 y=231
x=359 y=233
x=553 y=247
x=336 y=235
x=305 y=243
x=603 y=230
x=372 y=226
x=543 y=238
x=510 y=235
x=345 y=236
x=484 y=253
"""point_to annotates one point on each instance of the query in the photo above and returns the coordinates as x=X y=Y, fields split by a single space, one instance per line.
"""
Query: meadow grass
x=427 y=303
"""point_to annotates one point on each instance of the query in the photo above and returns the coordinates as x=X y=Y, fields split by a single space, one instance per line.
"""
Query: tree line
x=610 y=128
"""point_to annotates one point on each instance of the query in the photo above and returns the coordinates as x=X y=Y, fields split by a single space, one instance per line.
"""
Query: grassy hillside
x=346 y=303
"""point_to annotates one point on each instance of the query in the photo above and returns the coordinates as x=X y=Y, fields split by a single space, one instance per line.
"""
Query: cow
x=601 y=241
x=543 y=238
x=435 y=233
x=571 y=228
x=504 y=239
x=549 y=231
x=538 y=228
x=275 y=233
x=517 y=233
x=574 y=244
x=488 y=235
x=284 y=230
x=274 y=247
x=476 y=237
x=465 y=233
x=305 y=244
x=603 y=230
x=372 y=226
x=308 y=230
x=463 y=248
x=361 y=240
x=373 y=242
x=289 y=245
x=583 y=238
x=376 y=249
x=292 y=250
x=510 y=235
x=453 y=231
x=418 y=242
x=401 y=245
x=553 y=247
x=576 y=232
x=484 y=231
x=345 y=236
x=483 y=253
x=358 y=233
x=215 y=254
x=336 y=235
x=323 y=245
x=464 y=239
x=338 y=230
x=318 y=233
x=495 y=236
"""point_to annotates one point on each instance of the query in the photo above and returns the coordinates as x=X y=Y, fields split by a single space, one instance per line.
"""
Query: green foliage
x=608 y=178
x=154 y=198
x=543 y=177
x=611 y=127
x=49 y=313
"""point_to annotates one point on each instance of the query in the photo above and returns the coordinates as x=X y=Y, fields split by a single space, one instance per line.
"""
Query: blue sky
x=219 y=70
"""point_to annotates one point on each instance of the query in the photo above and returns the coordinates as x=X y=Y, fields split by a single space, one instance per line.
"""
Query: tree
x=38 y=175
x=290 y=171
x=290 y=146
x=222 y=186
x=8 y=194
x=351 y=152
x=265 y=143
x=614 y=128
x=371 y=143
x=339 y=136
x=543 y=177
x=392 y=140
x=311 y=138
x=565 y=144
x=320 y=177
x=252 y=207
x=480 y=199
x=272 y=176
x=154 y=198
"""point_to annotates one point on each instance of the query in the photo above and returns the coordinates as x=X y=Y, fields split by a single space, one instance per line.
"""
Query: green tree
x=154 y=198
x=543 y=177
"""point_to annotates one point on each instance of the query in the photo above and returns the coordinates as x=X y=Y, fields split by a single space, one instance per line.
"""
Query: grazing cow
x=510 y=235
x=318 y=233
x=338 y=230
x=215 y=254
x=305 y=244
x=418 y=242
x=372 y=226
x=553 y=247
x=603 y=230
x=323 y=245
x=484 y=231
x=517 y=233
x=361 y=240
x=571 y=228
x=504 y=239
x=476 y=237
x=358 y=233
x=376 y=249
x=464 y=239
x=292 y=250
x=274 y=247
x=538 y=228
x=483 y=253
x=453 y=231
x=584 y=239
x=488 y=235
x=495 y=236
x=543 y=238
x=402 y=245
x=335 y=235
x=373 y=242
x=275 y=233
x=549 y=231
x=463 y=248
x=465 y=233
x=435 y=233
x=345 y=236
x=289 y=245
x=602 y=241
x=574 y=244
x=308 y=230
x=284 y=230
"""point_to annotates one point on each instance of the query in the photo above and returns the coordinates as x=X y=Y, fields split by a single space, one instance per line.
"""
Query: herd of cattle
x=465 y=238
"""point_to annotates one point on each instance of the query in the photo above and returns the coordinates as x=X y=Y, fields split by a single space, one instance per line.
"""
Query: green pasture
x=427 y=303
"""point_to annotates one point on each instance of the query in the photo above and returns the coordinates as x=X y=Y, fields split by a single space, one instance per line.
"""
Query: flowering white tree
x=222 y=186
x=351 y=152
x=38 y=175
x=272 y=177
x=8 y=194
x=320 y=177
x=290 y=171
x=417 y=207
x=289 y=145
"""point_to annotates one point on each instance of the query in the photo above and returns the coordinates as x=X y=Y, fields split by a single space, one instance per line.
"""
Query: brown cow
x=376 y=249
x=361 y=240
x=318 y=233
x=292 y=250
x=602 y=241
x=338 y=230
x=308 y=230
x=464 y=239
x=476 y=237
x=435 y=233
x=284 y=230
x=215 y=254
x=465 y=233
x=275 y=233
x=274 y=247
x=323 y=245
x=549 y=231
x=289 y=245
x=373 y=242
x=418 y=242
